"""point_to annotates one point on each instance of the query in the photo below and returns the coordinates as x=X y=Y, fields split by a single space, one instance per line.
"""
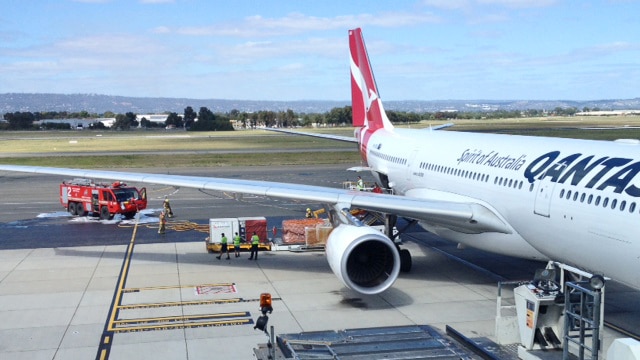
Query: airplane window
x=605 y=202
x=510 y=182
x=568 y=194
x=614 y=202
x=597 y=200
x=590 y=199
x=495 y=181
x=632 y=207
x=575 y=196
x=561 y=193
x=530 y=187
x=582 y=197
x=623 y=205
x=520 y=185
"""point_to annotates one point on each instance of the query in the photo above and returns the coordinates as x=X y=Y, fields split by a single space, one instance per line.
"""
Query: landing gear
x=389 y=227
x=405 y=260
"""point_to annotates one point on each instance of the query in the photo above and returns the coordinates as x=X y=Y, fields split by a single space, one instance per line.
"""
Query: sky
x=285 y=50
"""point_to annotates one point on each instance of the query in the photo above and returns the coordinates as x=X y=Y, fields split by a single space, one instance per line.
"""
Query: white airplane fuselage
x=572 y=201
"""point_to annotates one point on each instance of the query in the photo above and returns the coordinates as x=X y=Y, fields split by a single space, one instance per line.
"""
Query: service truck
x=83 y=196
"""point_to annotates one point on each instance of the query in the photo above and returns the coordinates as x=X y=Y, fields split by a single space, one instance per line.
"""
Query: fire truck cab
x=83 y=196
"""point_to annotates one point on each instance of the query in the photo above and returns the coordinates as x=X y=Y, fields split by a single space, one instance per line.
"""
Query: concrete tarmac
x=73 y=289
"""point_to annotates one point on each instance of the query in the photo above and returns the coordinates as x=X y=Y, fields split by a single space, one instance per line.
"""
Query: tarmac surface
x=75 y=288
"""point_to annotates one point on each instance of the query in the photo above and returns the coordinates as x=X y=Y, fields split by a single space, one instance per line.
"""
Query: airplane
x=572 y=201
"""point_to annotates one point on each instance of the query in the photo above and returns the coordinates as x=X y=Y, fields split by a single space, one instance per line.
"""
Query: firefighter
x=255 y=241
x=360 y=184
x=309 y=214
x=162 y=222
x=167 y=208
x=236 y=244
x=225 y=247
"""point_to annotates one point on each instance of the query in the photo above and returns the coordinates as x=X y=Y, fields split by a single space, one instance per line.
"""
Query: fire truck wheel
x=72 y=208
x=104 y=213
x=80 y=210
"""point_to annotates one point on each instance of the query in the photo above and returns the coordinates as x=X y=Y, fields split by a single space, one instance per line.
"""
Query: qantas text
x=586 y=170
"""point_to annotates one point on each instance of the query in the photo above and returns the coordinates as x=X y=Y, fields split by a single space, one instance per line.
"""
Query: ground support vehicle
x=82 y=196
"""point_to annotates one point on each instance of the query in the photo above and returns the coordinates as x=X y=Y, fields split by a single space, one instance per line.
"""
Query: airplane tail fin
x=366 y=105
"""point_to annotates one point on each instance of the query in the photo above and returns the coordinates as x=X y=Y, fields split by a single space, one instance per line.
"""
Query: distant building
x=609 y=113
x=154 y=118
x=78 y=124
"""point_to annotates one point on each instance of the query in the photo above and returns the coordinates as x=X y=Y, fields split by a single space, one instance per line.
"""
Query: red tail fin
x=366 y=105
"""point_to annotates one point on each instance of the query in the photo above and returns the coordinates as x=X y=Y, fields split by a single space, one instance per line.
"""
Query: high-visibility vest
x=224 y=240
x=255 y=240
x=237 y=240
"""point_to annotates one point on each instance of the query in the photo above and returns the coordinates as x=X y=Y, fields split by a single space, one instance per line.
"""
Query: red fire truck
x=82 y=196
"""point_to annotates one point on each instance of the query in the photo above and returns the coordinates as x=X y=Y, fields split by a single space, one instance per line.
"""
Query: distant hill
x=94 y=103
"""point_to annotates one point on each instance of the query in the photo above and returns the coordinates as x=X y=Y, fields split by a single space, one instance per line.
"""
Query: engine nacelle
x=363 y=258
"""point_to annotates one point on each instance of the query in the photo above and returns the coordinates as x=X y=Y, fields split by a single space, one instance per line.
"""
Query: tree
x=208 y=121
x=19 y=120
x=173 y=119
x=131 y=117
x=121 y=123
x=339 y=116
x=189 y=117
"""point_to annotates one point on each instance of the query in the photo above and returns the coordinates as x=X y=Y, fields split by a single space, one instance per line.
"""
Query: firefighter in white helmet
x=167 y=208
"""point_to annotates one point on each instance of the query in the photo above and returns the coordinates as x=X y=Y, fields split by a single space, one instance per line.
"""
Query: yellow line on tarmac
x=104 y=347
x=184 y=326
x=123 y=278
x=129 y=290
x=181 y=318
x=182 y=303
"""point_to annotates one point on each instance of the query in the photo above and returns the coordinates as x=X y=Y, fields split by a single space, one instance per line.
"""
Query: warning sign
x=215 y=289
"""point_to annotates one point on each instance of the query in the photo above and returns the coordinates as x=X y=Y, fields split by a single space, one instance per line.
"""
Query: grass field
x=137 y=149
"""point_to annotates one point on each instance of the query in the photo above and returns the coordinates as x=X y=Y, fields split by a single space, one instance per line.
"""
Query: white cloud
x=295 y=23
x=519 y=3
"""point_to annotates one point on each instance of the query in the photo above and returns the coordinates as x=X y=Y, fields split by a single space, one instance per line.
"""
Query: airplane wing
x=468 y=217
x=318 y=135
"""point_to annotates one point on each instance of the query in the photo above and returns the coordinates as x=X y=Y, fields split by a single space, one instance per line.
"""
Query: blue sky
x=298 y=50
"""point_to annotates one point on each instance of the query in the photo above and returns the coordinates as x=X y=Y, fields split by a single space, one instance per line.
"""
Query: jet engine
x=363 y=258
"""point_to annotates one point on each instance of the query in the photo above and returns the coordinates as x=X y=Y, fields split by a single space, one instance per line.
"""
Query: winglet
x=366 y=104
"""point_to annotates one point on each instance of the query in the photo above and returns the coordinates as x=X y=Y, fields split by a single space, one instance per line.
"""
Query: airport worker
x=162 y=222
x=236 y=244
x=309 y=214
x=225 y=247
x=167 y=208
x=377 y=189
x=360 y=184
x=255 y=241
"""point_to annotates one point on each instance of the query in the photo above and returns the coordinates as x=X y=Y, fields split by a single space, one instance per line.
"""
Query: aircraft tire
x=405 y=260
